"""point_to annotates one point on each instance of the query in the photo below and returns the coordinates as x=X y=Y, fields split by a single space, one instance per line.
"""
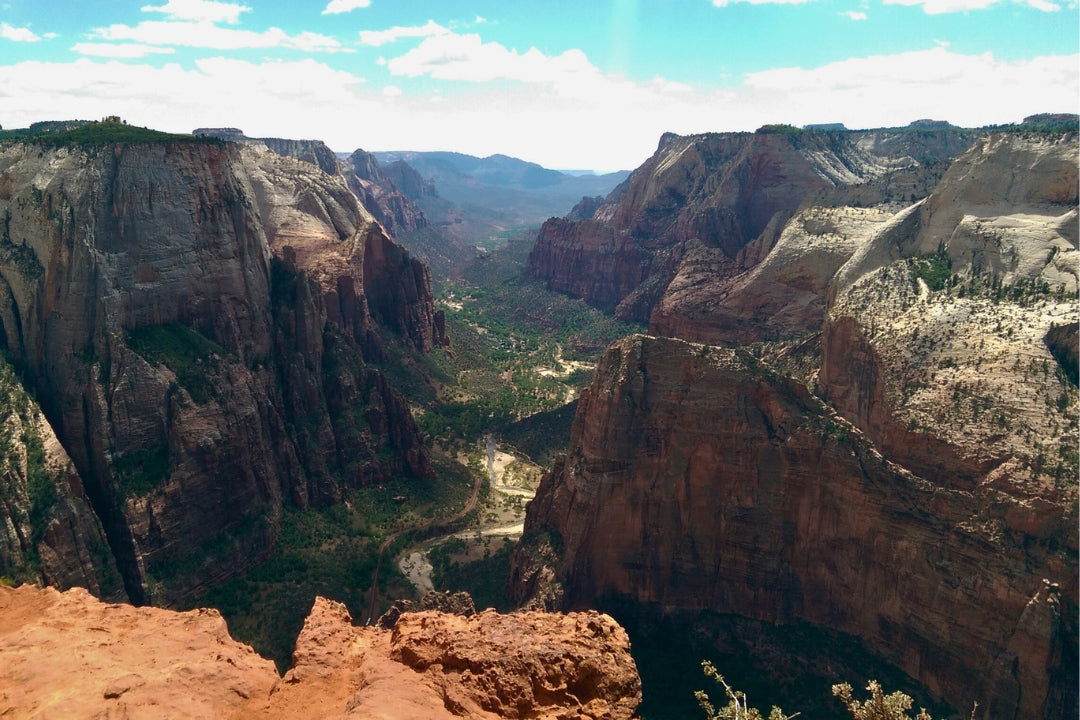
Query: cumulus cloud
x=202 y=34
x=375 y=38
x=940 y=7
x=854 y=15
x=17 y=34
x=449 y=56
x=893 y=89
x=344 y=6
x=200 y=10
x=114 y=50
x=556 y=110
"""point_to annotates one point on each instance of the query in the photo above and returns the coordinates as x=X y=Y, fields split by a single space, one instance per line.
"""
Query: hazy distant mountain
x=489 y=195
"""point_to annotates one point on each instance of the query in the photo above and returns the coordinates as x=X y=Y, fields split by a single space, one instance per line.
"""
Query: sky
x=569 y=84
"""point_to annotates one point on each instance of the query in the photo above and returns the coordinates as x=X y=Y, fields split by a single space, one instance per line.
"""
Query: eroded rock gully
x=194 y=318
x=698 y=479
x=706 y=209
x=70 y=655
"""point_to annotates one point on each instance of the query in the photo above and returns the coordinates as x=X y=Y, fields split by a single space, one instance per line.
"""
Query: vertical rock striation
x=194 y=319
x=697 y=479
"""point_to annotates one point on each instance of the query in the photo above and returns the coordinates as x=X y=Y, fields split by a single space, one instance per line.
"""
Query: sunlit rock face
x=676 y=242
x=70 y=655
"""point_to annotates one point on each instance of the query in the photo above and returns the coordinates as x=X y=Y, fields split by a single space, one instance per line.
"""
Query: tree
x=737 y=708
x=880 y=706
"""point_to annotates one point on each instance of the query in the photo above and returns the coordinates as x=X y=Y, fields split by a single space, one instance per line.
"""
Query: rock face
x=70 y=655
x=715 y=205
x=935 y=340
x=392 y=193
x=700 y=480
x=697 y=478
x=194 y=318
x=49 y=532
x=433 y=665
x=375 y=188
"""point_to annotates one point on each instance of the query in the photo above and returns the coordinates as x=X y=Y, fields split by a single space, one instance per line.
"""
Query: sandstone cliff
x=48 y=530
x=375 y=188
x=698 y=479
x=935 y=342
x=70 y=655
x=391 y=193
x=715 y=204
x=194 y=318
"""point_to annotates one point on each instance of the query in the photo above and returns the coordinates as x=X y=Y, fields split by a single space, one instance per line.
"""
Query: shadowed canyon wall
x=698 y=479
x=194 y=319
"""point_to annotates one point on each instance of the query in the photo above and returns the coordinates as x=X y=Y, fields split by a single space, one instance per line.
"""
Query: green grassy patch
x=140 y=472
x=186 y=352
x=934 y=269
x=484 y=579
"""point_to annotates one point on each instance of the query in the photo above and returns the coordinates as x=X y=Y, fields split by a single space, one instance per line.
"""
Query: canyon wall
x=194 y=318
x=916 y=489
x=699 y=479
x=706 y=209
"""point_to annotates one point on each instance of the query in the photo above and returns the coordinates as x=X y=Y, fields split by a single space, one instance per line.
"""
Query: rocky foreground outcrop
x=197 y=320
x=699 y=479
x=69 y=655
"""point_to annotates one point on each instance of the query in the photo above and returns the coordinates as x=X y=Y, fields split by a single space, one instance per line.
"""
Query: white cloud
x=114 y=50
x=375 y=38
x=450 y=56
x=939 y=7
x=344 y=6
x=854 y=15
x=577 y=117
x=888 y=90
x=202 y=34
x=17 y=34
x=200 y=10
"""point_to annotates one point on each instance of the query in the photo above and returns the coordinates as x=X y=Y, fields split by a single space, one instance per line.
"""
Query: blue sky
x=568 y=84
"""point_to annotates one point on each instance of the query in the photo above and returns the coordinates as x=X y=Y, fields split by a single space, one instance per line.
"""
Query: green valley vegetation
x=518 y=351
x=333 y=552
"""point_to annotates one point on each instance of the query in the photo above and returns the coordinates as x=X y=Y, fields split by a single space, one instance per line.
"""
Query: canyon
x=876 y=438
x=853 y=418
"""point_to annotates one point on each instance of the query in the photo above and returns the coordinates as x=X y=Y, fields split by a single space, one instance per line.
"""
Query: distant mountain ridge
x=480 y=200
x=498 y=170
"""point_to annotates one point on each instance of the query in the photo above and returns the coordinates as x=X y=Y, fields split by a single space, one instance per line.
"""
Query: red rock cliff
x=68 y=655
x=698 y=479
x=730 y=194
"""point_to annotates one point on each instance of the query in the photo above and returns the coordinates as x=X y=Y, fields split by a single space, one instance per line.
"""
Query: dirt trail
x=433 y=522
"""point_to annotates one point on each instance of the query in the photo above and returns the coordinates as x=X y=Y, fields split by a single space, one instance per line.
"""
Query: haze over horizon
x=564 y=84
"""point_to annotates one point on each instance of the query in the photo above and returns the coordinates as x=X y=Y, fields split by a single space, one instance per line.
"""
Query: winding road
x=433 y=522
